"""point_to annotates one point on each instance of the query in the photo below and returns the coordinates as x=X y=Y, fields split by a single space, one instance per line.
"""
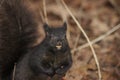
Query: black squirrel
x=51 y=57
x=18 y=33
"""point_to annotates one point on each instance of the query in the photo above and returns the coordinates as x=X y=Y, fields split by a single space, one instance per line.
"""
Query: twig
x=45 y=11
x=13 y=76
x=99 y=38
x=42 y=17
x=93 y=51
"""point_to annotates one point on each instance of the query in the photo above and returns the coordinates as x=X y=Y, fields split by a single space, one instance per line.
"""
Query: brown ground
x=96 y=17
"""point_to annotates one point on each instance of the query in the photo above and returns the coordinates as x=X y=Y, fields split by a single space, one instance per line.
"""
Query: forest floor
x=97 y=17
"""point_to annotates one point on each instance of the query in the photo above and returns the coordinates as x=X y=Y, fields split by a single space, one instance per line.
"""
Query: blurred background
x=97 y=18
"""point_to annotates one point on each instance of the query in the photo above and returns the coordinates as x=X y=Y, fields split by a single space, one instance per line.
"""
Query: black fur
x=17 y=31
x=46 y=60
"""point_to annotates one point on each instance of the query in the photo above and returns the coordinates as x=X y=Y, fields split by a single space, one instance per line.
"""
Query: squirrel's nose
x=59 y=43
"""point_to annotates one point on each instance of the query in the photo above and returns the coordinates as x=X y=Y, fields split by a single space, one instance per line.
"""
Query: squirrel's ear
x=46 y=27
x=65 y=26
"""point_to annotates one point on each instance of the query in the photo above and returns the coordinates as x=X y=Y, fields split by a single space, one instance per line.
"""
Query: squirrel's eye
x=62 y=66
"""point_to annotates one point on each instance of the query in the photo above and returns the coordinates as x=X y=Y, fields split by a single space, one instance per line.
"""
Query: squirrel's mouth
x=58 y=47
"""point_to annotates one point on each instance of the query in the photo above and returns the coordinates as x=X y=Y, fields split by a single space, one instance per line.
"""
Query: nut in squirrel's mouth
x=58 y=47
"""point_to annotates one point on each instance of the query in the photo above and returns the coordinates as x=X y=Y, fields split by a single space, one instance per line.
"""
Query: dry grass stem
x=45 y=11
x=99 y=38
x=13 y=76
x=42 y=17
x=93 y=51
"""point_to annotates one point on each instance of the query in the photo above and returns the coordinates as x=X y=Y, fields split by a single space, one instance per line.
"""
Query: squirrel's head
x=56 y=36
